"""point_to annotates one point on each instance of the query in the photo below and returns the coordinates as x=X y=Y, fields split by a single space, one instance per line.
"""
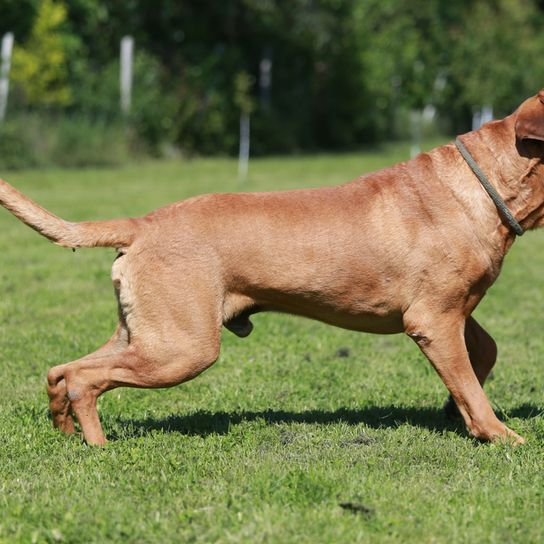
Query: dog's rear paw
x=241 y=326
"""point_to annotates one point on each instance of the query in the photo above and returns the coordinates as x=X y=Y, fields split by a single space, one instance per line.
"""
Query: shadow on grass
x=525 y=411
x=203 y=423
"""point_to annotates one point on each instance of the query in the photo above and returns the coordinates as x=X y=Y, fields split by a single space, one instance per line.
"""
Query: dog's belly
x=352 y=315
x=388 y=324
x=347 y=318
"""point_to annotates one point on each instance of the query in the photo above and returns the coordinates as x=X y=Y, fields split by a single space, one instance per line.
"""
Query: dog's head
x=530 y=119
x=529 y=129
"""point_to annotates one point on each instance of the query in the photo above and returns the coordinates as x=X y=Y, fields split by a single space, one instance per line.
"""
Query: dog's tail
x=116 y=233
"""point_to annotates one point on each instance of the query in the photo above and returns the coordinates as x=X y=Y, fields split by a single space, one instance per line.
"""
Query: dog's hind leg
x=168 y=333
x=87 y=379
x=56 y=384
x=170 y=343
x=83 y=381
x=482 y=351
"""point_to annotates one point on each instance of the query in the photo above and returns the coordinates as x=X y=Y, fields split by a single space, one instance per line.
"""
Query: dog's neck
x=515 y=168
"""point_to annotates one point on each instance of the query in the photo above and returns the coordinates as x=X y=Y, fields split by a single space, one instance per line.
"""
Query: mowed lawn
x=290 y=424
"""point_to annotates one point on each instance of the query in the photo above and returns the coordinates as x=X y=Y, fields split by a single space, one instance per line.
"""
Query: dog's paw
x=512 y=438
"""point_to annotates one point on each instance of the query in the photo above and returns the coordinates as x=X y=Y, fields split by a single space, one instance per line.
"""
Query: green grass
x=266 y=445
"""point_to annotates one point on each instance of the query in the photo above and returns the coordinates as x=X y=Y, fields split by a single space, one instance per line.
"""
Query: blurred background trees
x=343 y=72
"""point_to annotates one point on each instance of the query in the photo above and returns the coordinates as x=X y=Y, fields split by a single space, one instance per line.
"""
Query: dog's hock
x=73 y=395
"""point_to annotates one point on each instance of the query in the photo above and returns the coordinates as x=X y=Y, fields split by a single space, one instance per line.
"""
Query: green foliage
x=17 y=16
x=151 y=122
x=265 y=445
x=79 y=141
x=154 y=108
x=242 y=92
x=455 y=55
x=402 y=47
x=40 y=65
x=344 y=73
x=497 y=55
x=40 y=140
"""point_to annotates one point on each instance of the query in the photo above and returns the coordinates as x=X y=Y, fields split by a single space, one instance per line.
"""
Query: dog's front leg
x=482 y=351
x=441 y=338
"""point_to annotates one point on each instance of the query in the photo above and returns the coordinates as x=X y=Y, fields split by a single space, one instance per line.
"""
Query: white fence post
x=5 y=64
x=476 y=118
x=243 y=157
x=127 y=54
x=487 y=114
x=481 y=116
x=265 y=77
x=415 y=129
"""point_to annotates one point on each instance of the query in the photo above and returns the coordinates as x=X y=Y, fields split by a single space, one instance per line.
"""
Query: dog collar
x=499 y=202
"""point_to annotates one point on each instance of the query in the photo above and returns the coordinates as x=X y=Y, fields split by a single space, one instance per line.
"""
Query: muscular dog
x=409 y=249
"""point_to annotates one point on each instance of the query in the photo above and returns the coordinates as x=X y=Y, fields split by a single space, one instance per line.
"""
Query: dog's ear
x=530 y=118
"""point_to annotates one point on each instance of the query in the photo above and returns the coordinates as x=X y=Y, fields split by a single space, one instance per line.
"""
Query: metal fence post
x=5 y=64
x=243 y=157
x=127 y=53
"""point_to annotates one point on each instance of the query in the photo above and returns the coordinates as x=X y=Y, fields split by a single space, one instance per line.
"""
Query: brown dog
x=412 y=248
